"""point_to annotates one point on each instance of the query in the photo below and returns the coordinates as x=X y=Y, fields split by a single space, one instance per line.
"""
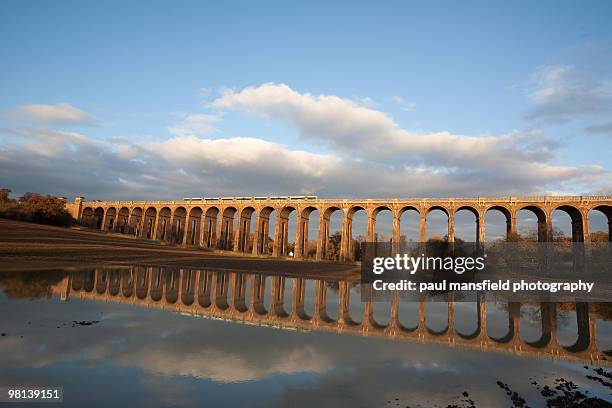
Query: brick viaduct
x=225 y=223
x=241 y=297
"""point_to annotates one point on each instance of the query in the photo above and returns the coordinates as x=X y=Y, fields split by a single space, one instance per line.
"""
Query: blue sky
x=137 y=97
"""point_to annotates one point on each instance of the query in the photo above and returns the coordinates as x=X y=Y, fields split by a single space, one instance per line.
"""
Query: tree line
x=33 y=207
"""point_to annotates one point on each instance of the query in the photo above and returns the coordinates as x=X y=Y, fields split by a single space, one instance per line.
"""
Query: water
x=148 y=336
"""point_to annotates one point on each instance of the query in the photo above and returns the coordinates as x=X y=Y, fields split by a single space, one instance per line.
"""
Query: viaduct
x=244 y=298
x=225 y=223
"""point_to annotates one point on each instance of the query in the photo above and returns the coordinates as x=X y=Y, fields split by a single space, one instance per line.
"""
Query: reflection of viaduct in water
x=206 y=293
x=226 y=223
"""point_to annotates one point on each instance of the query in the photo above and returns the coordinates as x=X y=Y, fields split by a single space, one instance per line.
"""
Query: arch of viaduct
x=239 y=297
x=226 y=223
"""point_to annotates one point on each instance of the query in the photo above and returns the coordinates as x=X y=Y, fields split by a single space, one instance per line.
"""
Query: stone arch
x=510 y=220
x=402 y=215
x=375 y=212
x=424 y=221
x=281 y=230
x=478 y=235
x=607 y=211
x=136 y=218
x=111 y=217
x=98 y=218
x=150 y=216
x=326 y=248
x=262 y=231
x=227 y=228
x=87 y=217
x=544 y=232
x=163 y=224
x=350 y=249
x=179 y=219
x=577 y=225
x=194 y=226
x=301 y=232
x=210 y=227
x=242 y=238
x=122 y=220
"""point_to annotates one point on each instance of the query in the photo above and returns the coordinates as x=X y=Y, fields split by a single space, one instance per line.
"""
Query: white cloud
x=61 y=113
x=365 y=153
x=404 y=104
x=563 y=93
x=194 y=124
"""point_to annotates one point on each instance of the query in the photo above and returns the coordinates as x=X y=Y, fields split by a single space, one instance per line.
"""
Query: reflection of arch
x=548 y=316
x=114 y=282
x=194 y=224
x=607 y=211
x=544 y=232
x=142 y=281
x=171 y=283
x=157 y=284
x=514 y=317
x=149 y=222
x=101 y=280
x=127 y=282
x=576 y=217
x=204 y=287
x=583 y=342
x=188 y=286
x=239 y=292
x=471 y=336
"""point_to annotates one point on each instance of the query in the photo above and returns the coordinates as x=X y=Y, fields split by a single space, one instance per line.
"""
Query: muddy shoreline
x=28 y=247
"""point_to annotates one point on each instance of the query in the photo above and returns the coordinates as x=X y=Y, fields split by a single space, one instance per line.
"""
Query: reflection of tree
x=30 y=285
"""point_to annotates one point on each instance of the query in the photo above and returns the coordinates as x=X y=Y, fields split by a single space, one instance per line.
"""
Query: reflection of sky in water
x=150 y=357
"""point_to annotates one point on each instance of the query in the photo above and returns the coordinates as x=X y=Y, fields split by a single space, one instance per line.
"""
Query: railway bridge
x=225 y=222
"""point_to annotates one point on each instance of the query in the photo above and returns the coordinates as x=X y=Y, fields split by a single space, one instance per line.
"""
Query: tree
x=42 y=209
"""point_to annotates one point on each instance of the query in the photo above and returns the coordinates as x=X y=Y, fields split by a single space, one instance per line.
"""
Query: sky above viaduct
x=394 y=99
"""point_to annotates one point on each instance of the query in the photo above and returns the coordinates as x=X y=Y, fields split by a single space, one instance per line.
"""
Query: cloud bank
x=358 y=151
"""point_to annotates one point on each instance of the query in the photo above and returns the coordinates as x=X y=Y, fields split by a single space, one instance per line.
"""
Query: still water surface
x=148 y=336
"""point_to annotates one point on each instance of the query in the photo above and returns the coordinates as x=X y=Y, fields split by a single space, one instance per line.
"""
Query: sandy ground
x=25 y=246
